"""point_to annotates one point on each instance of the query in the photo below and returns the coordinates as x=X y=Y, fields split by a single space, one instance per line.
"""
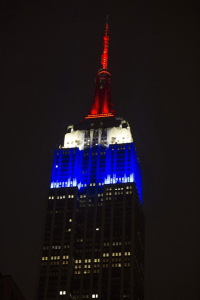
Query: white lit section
x=88 y=138
x=119 y=135
x=74 y=139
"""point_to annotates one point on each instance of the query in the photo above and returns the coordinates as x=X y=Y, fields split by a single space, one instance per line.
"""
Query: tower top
x=104 y=56
x=102 y=105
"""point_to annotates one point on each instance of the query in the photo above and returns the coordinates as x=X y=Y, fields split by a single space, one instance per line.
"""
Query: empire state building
x=93 y=239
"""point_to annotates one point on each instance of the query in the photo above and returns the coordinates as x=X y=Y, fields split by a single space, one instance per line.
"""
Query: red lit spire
x=104 y=56
x=102 y=105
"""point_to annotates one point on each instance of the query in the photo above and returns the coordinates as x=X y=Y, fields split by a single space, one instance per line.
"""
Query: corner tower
x=93 y=243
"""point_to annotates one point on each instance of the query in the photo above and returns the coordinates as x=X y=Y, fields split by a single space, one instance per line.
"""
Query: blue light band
x=97 y=165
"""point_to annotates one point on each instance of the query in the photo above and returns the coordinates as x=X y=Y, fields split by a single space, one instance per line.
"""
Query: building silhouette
x=93 y=244
x=9 y=289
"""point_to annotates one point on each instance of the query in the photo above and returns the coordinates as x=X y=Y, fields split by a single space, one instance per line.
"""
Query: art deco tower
x=93 y=243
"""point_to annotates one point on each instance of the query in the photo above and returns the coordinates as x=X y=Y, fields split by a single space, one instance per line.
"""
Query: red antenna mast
x=102 y=105
x=104 y=56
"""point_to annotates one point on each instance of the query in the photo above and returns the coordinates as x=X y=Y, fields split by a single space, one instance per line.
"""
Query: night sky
x=50 y=54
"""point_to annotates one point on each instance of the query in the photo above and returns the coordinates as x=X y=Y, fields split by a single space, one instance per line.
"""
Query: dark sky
x=50 y=53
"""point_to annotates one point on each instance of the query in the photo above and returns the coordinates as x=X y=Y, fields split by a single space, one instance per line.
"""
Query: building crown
x=102 y=105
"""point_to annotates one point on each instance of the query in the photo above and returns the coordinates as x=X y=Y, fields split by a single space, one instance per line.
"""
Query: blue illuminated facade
x=96 y=166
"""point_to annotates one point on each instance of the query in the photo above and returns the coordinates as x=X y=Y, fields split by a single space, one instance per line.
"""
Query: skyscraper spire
x=102 y=105
x=104 y=56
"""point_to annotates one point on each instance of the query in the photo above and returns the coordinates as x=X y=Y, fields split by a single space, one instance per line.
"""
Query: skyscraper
x=93 y=243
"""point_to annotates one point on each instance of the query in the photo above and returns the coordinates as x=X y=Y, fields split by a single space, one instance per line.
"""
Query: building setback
x=93 y=244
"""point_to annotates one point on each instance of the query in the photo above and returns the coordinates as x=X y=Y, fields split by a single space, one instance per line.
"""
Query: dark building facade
x=8 y=289
x=93 y=243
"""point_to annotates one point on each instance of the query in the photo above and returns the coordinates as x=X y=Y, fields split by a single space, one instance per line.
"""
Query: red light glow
x=104 y=56
x=99 y=116
x=102 y=105
x=103 y=71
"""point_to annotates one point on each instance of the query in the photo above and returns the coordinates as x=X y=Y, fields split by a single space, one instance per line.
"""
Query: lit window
x=97 y=228
x=70 y=220
x=56 y=166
